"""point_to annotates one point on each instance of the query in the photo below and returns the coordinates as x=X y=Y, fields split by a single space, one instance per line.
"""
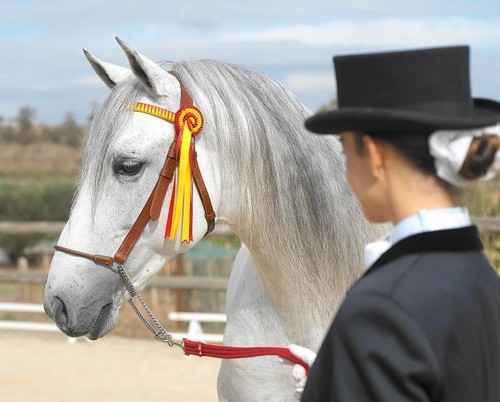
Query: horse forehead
x=145 y=130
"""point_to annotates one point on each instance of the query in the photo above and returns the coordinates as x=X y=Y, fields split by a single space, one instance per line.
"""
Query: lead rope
x=160 y=333
x=199 y=348
x=189 y=347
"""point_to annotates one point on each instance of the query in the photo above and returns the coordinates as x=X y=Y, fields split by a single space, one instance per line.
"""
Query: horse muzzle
x=83 y=307
x=73 y=325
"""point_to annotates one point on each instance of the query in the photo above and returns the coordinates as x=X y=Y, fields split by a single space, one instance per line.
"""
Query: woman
x=422 y=324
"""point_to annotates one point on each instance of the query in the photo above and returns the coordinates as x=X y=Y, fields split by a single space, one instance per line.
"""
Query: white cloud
x=380 y=32
x=290 y=40
x=67 y=84
x=303 y=82
x=88 y=81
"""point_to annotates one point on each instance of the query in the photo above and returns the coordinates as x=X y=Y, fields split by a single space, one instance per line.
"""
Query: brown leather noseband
x=153 y=206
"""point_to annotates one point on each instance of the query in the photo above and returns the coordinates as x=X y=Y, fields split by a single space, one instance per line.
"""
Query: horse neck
x=282 y=190
x=304 y=228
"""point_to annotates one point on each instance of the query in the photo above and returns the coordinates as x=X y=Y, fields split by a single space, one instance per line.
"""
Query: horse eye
x=127 y=167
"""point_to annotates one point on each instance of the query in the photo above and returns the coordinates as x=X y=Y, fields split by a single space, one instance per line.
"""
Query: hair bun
x=480 y=157
x=465 y=155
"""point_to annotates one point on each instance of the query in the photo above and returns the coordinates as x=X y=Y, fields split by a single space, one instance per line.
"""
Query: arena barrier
x=195 y=331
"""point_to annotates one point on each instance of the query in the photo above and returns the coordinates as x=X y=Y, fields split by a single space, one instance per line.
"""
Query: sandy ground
x=45 y=367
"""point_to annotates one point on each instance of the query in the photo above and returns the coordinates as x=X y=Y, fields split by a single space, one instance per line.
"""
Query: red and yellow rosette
x=188 y=123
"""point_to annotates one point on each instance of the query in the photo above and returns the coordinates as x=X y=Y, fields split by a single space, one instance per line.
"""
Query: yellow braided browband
x=187 y=114
x=154 y=111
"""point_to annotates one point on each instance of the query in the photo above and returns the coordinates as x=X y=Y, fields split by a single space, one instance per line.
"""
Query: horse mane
x=288 y=182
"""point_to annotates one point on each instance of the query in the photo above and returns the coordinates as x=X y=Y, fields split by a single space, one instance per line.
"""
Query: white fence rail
x=23 y=325
x=195 y=330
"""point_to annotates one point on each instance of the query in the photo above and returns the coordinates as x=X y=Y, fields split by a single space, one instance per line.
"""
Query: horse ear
x=157 y=80
x=111 y=74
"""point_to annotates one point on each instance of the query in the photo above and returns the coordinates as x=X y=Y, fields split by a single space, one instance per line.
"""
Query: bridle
x=153 y=205
x=187 y=114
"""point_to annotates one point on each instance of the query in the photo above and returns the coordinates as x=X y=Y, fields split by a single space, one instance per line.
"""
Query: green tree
x=328 y=106
x=25 y=118
x=68 y=133
x=30 y=200
x=25 y=122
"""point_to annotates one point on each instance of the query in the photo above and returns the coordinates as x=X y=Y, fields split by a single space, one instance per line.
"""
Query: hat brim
x=485 y=113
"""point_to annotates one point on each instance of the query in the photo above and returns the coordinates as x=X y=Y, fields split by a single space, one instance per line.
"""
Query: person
x=422 y=324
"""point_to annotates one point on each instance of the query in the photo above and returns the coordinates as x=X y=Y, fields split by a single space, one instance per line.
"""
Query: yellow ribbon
x=182 y=206
x=188 y=123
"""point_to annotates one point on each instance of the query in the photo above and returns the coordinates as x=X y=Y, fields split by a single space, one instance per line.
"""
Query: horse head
x=121 y=166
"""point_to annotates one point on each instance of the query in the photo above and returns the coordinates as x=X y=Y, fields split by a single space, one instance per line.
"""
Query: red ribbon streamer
x=168 y=228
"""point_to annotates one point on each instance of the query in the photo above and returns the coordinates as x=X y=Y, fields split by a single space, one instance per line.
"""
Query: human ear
x=375 y=153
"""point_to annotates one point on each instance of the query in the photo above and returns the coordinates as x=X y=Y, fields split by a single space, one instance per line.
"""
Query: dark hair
x=414 y=146
x=480 y=156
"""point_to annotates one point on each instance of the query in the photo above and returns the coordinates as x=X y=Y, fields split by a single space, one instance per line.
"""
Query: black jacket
x=421 y=325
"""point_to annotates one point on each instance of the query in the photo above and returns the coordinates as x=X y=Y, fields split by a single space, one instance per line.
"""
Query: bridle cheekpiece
x=188 y=121
x=181 y=157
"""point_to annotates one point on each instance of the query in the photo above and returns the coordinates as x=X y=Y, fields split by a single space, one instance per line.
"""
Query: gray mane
x=291 y=183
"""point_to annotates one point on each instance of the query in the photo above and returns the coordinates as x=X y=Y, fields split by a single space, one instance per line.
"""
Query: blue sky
x=293 y=41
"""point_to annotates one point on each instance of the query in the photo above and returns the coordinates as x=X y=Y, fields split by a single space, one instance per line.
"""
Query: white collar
x=431 y=220
x=423 y=221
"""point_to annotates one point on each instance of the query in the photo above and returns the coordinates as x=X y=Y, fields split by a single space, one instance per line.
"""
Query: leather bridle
x=151 y=211
x=154 y=204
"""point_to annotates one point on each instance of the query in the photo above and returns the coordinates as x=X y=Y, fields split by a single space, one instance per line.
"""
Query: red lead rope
x=236 y=352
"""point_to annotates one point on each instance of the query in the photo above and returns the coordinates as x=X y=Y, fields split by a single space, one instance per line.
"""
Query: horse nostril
x=60 y=313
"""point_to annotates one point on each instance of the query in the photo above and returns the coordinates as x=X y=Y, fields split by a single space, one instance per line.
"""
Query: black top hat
x=419 y=90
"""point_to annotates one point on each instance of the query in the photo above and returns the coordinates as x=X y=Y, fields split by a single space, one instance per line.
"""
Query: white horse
x=281 y=189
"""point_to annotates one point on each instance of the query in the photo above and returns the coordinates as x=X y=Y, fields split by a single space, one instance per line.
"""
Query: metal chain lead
x=161 y=335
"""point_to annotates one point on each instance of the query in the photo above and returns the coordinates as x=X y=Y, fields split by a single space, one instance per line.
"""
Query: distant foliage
x=49 y=200
x=328 y=106
x=25 y=130
x=483 y=198
x=68 y=133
